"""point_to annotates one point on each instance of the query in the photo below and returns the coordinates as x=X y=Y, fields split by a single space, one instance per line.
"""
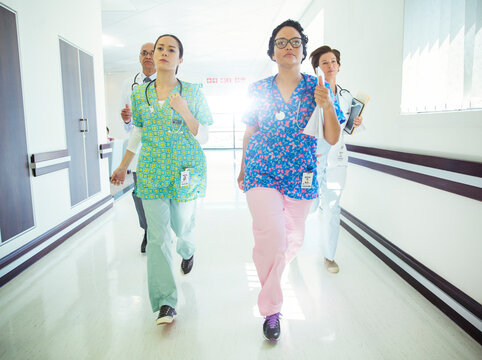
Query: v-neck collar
x=277 y=93
x=152 y=93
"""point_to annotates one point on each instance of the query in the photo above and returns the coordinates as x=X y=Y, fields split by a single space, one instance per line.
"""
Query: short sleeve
x=136 y=113
x=250 y=117
x=203 y=113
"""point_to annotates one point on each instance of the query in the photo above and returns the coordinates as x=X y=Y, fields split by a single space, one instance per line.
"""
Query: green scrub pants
x=161 y=216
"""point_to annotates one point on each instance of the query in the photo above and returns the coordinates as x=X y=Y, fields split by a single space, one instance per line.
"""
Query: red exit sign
x=227 y=80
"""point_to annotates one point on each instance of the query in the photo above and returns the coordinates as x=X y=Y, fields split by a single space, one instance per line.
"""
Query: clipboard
x=357 y=107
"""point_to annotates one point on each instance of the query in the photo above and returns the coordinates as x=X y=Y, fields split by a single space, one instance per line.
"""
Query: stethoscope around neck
x=340 y=91
x=280 y=115
x=147 y=88
x=151 y=108
x=134 y=82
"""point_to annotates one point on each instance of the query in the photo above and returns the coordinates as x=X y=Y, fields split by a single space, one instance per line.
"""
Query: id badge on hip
x=307 y=180
x=185 y=178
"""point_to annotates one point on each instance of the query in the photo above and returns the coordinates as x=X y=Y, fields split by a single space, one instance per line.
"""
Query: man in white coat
x=147 y=74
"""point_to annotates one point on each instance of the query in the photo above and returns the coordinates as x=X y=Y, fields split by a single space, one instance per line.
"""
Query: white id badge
x=185 y=178
x=307 y=180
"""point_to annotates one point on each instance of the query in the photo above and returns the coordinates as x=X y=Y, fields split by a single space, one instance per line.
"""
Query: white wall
x=439 y=229
x=40 y=23
x=114 y=87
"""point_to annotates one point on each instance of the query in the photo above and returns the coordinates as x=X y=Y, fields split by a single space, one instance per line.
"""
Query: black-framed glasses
x=145 y=53
x=281 y=43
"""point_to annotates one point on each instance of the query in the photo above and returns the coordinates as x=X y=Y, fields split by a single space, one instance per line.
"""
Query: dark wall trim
x=123 y=191
x=10 y=275
x=459 y=296
x=105 y=151
x=37 y=159
x=48 y=169
x=469 y=191
x=25 y=249
x=453 y=165
x=50 y=155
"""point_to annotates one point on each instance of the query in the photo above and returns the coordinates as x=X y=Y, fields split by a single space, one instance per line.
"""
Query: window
x=442 y=55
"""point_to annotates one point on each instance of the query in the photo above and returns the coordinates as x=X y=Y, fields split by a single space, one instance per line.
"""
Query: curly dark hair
x=322 y=50
x=291 y=23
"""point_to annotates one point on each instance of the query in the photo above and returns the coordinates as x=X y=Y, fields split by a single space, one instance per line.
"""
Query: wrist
x=328 y=106
x=186 y=114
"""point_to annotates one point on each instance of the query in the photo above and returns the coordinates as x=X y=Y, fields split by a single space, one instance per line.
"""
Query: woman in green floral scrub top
x=171 y=118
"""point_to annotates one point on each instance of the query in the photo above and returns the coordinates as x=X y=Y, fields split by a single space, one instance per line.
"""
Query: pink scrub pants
x=279 y=229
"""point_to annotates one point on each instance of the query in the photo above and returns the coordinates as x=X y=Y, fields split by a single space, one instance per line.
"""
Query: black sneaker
x=144 y=243
x=186 y=265
x=167 y=315
x=271 y=327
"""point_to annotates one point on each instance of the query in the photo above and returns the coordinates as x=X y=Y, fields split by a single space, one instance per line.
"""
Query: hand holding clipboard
x=357 y=106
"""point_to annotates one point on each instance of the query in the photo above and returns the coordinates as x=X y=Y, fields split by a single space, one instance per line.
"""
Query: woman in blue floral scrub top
x=279 y=151
x=278 y=170
x=171 y=117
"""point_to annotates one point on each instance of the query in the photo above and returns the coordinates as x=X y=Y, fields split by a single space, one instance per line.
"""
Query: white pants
x=330 y=225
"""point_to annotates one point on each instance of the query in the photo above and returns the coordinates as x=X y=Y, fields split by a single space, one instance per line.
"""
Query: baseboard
x=30 y=246
x=458 y=306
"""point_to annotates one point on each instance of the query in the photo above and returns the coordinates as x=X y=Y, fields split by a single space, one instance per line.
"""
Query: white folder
x=315 y=124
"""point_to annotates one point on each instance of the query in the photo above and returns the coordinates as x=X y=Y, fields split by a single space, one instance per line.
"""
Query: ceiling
x=220 y=37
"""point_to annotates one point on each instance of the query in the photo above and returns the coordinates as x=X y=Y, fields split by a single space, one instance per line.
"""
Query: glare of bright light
x=228 y=104
x=109 y=41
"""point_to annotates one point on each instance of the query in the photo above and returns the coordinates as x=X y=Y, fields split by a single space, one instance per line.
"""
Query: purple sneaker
x=271 y=327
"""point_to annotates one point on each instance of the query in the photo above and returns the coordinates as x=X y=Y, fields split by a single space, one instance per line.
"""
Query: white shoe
x=331 y=266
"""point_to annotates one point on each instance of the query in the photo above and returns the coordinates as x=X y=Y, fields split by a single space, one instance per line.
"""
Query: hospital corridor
x=88 y=298
x=269 y=180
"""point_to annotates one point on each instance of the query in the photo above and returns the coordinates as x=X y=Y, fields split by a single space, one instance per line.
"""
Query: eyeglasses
x=282 y=42
x=145 y=53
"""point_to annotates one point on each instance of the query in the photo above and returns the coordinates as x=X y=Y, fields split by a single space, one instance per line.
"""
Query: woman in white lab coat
x=333 y=160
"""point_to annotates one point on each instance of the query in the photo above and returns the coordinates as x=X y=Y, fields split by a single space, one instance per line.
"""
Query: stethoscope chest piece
x=280 y=115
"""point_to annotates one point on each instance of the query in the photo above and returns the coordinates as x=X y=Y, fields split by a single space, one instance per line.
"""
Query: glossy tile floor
x=88 y=298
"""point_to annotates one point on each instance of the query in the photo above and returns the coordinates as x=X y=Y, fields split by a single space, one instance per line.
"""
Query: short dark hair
x=291 y=23
x=179 y=43
x=322 y=50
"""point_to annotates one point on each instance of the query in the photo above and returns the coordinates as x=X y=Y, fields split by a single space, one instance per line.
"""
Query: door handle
x=84 y=125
